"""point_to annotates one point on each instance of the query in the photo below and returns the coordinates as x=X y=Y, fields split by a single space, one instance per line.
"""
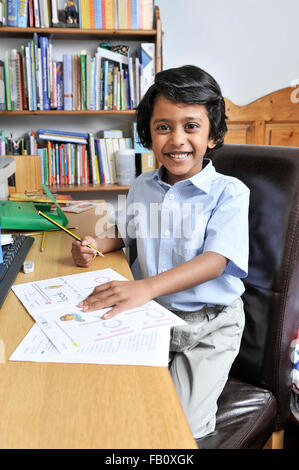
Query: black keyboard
x=14 y=255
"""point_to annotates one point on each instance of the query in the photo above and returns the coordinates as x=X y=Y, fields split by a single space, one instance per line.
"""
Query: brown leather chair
x=255 y=404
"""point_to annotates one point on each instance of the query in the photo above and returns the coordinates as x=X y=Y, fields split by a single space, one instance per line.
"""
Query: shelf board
x=51 y=112
x=88 y=187
x=79 y=32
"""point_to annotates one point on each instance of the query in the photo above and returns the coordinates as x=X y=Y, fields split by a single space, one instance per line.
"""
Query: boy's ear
x=211 y=143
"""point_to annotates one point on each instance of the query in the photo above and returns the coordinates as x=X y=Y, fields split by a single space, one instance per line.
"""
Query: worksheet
x=148 y=348
x=53 y=305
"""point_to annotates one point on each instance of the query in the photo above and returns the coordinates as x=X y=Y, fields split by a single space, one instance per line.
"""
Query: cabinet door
x=282 y=134
x=239 y=133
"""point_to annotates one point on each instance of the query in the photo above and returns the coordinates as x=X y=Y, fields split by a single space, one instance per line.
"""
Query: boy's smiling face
x=180 y=137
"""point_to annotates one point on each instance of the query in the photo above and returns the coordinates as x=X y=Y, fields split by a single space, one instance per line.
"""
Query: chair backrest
x=271 y=298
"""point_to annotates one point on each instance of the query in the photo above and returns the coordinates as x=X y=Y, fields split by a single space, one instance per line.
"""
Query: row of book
x=86 y=14
x=73 y=158
x=32 y=79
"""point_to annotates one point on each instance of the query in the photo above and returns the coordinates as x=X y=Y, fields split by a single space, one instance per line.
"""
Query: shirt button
x=171 y=196
x=166 y=233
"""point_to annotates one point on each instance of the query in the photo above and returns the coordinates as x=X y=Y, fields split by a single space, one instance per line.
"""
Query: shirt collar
x=201 y=180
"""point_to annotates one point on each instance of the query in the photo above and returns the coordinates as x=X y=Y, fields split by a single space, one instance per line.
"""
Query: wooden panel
x=28 y=174
x=282 y=134
x=276 y=106
x=270 y=120
x=238 y=134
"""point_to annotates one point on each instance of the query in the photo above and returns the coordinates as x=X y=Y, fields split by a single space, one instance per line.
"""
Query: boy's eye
x=162 y=127
x=191 y=126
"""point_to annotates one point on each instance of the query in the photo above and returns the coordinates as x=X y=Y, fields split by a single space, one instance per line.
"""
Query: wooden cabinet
x=270 y=120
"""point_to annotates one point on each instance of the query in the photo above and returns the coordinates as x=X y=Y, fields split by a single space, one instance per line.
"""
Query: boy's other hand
x=83 y=255
x=120 y=295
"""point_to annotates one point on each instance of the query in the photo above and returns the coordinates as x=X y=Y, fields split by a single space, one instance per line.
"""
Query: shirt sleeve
x=227 y=229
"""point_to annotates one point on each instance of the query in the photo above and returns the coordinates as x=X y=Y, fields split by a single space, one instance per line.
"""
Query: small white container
x=125 y=166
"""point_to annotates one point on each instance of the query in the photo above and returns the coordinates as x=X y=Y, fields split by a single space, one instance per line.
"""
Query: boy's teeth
x=178 y=155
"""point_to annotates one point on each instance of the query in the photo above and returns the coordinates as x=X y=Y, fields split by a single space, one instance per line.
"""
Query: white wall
x=251 y=47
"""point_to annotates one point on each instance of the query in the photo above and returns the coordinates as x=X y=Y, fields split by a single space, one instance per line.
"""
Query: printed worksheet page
x=149 y=348
x=53 y=305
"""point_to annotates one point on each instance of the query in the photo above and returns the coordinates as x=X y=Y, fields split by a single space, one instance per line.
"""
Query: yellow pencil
x=67 y=231
x=43 y=242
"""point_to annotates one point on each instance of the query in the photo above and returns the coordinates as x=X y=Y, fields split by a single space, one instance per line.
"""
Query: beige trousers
x=201 y=355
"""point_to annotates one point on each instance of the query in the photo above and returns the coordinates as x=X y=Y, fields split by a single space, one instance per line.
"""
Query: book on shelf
x=12 y=13
x=63 y=136
x=89 y=14
x=67 y=82
x=116 y=14
x=106 y=80
x=69 y=158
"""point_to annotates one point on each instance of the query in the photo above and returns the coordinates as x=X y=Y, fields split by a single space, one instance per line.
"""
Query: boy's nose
x=178 y=138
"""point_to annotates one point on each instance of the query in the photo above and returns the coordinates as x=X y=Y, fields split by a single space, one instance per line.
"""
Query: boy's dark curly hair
x=190 y=85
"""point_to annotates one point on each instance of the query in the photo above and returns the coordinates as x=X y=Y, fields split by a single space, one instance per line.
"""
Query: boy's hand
x=121 y=295
x=81 y=253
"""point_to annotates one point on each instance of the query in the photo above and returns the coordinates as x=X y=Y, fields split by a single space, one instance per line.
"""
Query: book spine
x=111 y=159
x=147 y=14
x=30 y=14
x=98 y=23
x=83 y=80
x=105 y=79
x=123 y=14
x=12 y=12
x=91 y=14
x=44 y=49
x=109 y=14
x=67 y=82
x=19 y=82
x=92 y=159
x=13 y=78
x=2 y=88
x=22 y=13
x=103 y=14
x=105 y=161
x=98 y=163
x=135 y=21
x=33 y=73
x=92 y=84
x=54 y=11
x=82 y=135
x=59 y=85
x=129 y=13
x=54 y=85
x=87 y=14
x=36 y=13
x=110 y=86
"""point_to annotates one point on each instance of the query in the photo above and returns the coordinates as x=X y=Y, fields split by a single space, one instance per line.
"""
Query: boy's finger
x=98 y=304
x=114 y=311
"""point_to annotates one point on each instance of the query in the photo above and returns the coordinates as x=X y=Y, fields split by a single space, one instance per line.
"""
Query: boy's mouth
x=178 y=156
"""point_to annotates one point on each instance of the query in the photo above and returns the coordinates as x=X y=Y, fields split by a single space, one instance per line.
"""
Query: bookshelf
x=9 y=33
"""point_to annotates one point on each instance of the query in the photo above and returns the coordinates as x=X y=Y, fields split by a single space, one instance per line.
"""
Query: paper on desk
x=149 y=348
x=6 y=239
x=53 y=305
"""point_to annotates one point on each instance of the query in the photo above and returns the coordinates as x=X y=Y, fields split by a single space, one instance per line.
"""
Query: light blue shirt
x=172 y=224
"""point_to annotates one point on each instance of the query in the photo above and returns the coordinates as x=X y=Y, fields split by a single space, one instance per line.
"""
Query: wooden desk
x=80 y=405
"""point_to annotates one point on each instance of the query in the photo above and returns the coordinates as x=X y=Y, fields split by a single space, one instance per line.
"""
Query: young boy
x=190 y=227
